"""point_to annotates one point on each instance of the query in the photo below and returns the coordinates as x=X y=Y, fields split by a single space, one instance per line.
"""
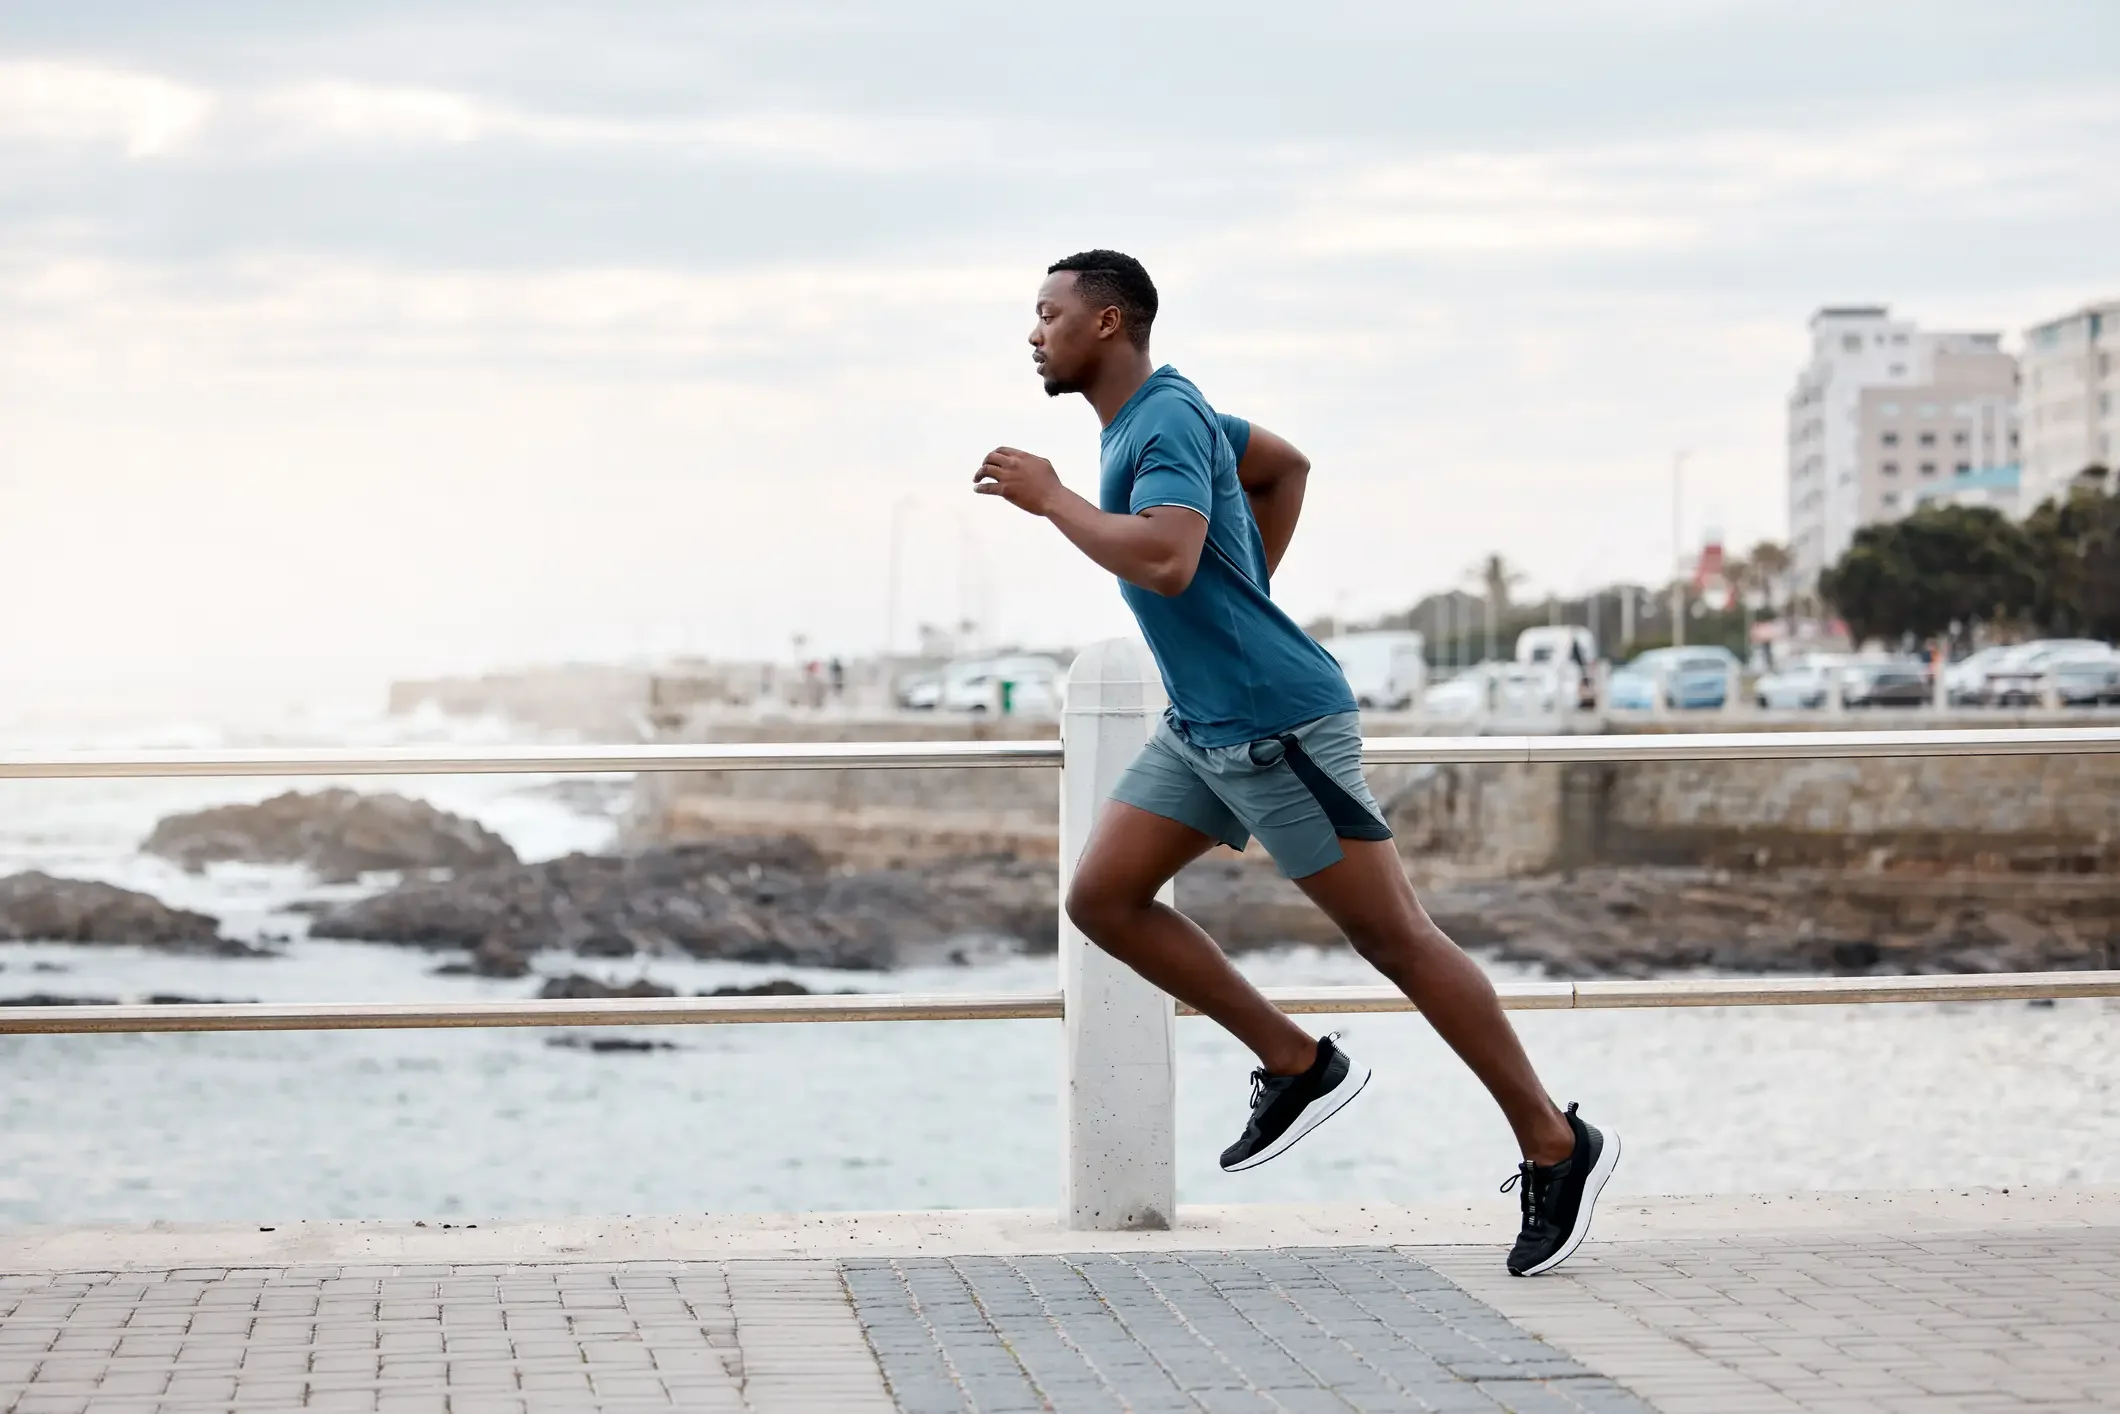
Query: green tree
x=2071 y=537
x=1496 y=578
x=1939 y=568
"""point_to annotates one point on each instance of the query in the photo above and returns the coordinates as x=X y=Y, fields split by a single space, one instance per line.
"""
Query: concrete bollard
x=2050 y=691
x=1836 y=700
x=1733 y=689
x=1119 y=1099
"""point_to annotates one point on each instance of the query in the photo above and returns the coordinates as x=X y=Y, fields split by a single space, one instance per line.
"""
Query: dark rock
x=778 y=987
x=340 y=834
x=495 y=956
x=38 y=908
x=579 y=988
x=773 y=900
x=600 y=1045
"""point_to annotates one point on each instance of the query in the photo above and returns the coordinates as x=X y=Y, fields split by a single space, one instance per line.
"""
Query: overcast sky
x=404 y=336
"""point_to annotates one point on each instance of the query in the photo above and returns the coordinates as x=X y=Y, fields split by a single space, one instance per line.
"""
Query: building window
x=1964 y=467
x=2105 y=403
x=1888 y=409
x=1890 y=439
x=1890 y=468
x=1928 y=468
x=1928 y=439
x=1926 y=410
x=1898 y=370
x=1851 y=342
x=1959 y=437
x=2013 y=439
x=1891 y=500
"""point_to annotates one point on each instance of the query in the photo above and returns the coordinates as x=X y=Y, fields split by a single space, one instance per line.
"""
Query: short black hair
x=1107 y=277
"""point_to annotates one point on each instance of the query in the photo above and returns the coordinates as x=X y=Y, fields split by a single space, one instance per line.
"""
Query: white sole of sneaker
x=1607 y=1160
x=1327 y=1106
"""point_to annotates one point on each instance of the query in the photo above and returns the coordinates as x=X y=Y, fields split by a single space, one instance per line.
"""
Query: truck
x=1386 y=669
x=1569 y=648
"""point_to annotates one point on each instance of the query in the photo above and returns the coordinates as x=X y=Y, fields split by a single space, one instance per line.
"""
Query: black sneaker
x=1558 y=1199
x=1284 y=1108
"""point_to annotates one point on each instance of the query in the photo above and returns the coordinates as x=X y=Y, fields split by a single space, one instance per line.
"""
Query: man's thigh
x=1300 y=793
x=1166 y=780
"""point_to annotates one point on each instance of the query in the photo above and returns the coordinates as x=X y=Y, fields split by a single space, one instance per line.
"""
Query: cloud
x=1687 y=192
x=71 y=105
x=66 y=105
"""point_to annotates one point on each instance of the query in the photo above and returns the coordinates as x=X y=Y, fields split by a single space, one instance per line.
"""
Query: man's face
x=1069 y=336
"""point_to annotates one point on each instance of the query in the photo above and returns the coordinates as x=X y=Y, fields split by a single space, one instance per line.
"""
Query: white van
x=1570 y=648
x=1387 y=669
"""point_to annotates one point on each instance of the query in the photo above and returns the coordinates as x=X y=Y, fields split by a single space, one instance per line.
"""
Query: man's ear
x=1110 y=323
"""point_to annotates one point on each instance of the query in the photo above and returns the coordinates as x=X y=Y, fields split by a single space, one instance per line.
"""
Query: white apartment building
x=1882 y=412
x=2070 y=402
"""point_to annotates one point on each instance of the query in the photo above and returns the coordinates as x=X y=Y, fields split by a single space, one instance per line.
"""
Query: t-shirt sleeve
x=1177 y=463
x=1237 y=430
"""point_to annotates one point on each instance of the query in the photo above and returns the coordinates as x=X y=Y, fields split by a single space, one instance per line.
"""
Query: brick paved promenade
x=1974 y=1302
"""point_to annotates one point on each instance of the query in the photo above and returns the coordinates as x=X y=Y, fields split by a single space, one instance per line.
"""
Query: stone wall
x=2038 y=813
x=866 y=816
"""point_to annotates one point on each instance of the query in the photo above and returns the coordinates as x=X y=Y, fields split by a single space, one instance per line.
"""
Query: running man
x=1194 y=513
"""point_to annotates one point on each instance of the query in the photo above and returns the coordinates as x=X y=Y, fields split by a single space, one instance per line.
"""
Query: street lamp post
x=890 y=624
x=1678 y=555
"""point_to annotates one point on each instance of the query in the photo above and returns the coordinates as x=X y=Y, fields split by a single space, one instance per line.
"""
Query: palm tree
x=1494 y=577
x=1767 y=569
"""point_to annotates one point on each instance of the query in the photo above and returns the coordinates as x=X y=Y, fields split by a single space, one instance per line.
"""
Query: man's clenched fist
x=1024 y=481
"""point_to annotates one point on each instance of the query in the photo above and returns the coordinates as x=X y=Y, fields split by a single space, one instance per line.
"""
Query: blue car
x=1689 y=680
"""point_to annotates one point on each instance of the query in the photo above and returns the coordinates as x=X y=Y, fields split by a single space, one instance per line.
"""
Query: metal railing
x=778 y=756
x=1030 y=1006
x=891 y=755
x=1120 y=1068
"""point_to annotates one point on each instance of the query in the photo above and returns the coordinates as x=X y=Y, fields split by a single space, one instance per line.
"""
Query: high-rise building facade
x=2070 y=400
x=1883 y=412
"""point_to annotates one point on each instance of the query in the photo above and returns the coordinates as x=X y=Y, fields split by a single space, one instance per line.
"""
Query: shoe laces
x=1531 y=1184
x=1261 y=1075
x=1530 y=1188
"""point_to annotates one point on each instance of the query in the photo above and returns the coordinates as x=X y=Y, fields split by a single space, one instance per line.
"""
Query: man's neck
x=1118 y=380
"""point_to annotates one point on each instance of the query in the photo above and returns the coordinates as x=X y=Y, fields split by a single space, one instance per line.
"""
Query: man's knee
x=1099 y=906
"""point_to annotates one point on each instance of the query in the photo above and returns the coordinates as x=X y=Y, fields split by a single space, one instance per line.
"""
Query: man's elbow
x=1174 y=576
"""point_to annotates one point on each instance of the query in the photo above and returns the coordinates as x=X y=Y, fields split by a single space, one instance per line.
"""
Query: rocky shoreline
x=768 y=900
x=780 y=900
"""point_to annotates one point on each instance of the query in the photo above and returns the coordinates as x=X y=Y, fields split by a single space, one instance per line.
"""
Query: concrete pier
x=1982 y=1300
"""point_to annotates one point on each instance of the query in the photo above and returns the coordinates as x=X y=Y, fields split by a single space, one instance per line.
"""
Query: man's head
x=1090 y=306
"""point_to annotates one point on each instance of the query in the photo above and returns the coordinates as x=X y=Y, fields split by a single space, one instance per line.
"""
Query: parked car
x=1803 y=685
x=1456 y=699
x=1506 y=689
x=922 y=692
x=2013 y=676
x=1885 y=685
x=1034 y=685
x=1683 y=679
x=2081 y=677
x=1966 y=680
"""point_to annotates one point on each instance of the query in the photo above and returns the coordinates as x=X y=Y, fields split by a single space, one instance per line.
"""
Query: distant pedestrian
x=1262 y=738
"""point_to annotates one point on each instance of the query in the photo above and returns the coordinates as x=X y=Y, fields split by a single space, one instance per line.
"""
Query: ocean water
x=498 y=1123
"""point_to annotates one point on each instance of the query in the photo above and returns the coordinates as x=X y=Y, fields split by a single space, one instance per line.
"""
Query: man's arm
x=1157 y=549
x=1274 y=475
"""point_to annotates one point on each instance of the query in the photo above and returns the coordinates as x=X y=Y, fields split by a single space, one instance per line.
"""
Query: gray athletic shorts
x=1300 y=792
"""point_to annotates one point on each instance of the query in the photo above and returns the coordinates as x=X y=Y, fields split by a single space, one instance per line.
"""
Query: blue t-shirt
x=1237 y=669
